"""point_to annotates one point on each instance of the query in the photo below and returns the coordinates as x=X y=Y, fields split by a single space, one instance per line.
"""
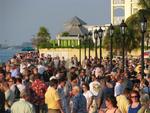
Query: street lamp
x=147 y=40
x=96 y=36
x=143 y=30
x=100 y=35
x=111 y=31
x=79 y=37
x=123 y=27
x=89 y=42
x=85 y=39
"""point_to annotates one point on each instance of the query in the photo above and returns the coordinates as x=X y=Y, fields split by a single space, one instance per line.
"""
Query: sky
x=20 y=20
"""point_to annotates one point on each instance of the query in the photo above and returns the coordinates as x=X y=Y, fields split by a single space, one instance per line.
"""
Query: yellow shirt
x=122 y=103
x=51 y=98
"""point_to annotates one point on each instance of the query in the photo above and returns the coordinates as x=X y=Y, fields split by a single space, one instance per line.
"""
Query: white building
x=122 y=9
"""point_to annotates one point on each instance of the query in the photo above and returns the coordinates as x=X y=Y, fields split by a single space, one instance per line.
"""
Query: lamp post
x=79 y=37
x=143 y=30
x=85 y=38
x=147 y=40
x=100 y=35
x=89 y=43
x=96 y=36
x=111 y=31
x=123 y=27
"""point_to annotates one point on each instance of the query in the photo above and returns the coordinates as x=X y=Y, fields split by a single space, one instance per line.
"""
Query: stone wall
x=70 y=52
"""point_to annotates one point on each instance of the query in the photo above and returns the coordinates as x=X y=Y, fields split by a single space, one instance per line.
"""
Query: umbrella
x=28 y=49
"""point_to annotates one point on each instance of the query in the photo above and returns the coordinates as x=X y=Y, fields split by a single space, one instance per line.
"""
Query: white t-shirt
x=41 y=69
x=87 y=95
x=95 y=88
x=119 y=88
x=21 y=87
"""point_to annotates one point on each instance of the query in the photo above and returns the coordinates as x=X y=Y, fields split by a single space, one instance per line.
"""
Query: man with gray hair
x=78 y=104
x=22 y=106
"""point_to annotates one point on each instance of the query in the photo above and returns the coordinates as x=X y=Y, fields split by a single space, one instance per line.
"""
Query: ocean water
x=6 y=54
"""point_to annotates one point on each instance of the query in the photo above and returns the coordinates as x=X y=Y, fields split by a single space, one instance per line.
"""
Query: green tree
x=133 y=34
x=42 y=40
x=116 y=40
x=145 y=4
x=130 y=41
x=43 y=32
x=133 y=21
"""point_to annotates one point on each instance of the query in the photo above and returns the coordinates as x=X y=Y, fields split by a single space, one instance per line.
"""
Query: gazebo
x=72 y=29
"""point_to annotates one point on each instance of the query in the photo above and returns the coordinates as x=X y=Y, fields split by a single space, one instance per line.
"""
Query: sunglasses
x=134 y=97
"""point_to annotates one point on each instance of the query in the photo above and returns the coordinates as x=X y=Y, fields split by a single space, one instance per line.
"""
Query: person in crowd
x=96 y=90
x=26 y=66
x=145 y=102
x=2 y=78
x=123 y=101
x=98 y=71
x=8 y=68
x=14 y=88
x=140 y=70
x=119 y=87
x=83 y=78
x=148 y=79
x=8 y=76
x=131 y=73
x=34 y=74
x=144 y=86
x=52 y=98
x=63 y=61
x=9 y=97
x=19 y=84
x=22 y=106
x=14 y=70
x=41 y=68
x=107 y=89
x=71 y=72
x=48 y=73
x=88 y=95
x=111 y=105
x=73 y=81
x=38 y=88
x=79 y=104
x=56 y=62
x=135 y=102
x=2 y=99
x=62 y=94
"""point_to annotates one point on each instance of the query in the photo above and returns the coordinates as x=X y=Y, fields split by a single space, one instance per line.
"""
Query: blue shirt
x=79 y=104
x=63 y=99
x=134 y=110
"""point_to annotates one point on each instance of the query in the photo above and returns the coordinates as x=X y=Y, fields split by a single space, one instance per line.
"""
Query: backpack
x=16 y=93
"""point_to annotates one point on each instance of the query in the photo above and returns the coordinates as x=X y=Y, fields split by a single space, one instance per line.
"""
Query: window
x=119 y=1
x=119 y=11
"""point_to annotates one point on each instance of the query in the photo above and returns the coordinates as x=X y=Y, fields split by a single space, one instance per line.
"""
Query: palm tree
x=130 y=42
x=133 y=21
x=145 y=4
x=133 y=34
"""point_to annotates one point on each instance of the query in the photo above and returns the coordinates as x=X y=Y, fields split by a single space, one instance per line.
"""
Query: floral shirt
x=38 y=94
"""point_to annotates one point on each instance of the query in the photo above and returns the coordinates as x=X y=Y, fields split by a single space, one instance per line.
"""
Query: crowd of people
x=34 y=83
